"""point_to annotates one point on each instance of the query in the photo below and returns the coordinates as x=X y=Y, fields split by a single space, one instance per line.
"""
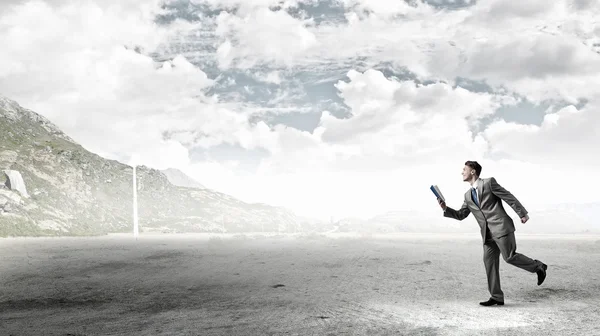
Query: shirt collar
x=476 y=183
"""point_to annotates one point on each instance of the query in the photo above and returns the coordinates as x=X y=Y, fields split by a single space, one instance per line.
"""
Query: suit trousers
x=507 y=246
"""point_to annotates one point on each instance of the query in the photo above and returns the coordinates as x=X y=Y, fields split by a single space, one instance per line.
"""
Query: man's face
x=467 y=173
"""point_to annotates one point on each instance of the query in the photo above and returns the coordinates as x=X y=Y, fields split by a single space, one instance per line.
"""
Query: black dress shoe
x=541 y=273
x=491 y=302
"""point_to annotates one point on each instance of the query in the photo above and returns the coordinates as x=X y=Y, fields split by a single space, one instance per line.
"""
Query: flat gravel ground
x=404 y=284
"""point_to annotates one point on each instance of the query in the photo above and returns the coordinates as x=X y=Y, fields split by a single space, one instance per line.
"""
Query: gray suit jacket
x=491 y=213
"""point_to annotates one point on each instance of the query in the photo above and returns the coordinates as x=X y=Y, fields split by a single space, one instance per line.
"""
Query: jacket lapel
x=469 y=198
x=480 y=192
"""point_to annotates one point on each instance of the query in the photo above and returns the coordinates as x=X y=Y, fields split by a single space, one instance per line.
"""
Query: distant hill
x=405 y=221
x=76 y=192
x=179 y=178
x=553 y=219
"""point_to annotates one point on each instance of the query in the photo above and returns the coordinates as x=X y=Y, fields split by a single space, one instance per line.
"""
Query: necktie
x=474 y=195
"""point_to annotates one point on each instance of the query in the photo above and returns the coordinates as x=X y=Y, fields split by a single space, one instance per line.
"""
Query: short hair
x=474 y=165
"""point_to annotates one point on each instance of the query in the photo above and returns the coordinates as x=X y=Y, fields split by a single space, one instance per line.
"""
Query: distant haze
x=329 y=108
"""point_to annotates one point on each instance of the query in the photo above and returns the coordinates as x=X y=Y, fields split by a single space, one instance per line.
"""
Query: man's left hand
x=524 y=219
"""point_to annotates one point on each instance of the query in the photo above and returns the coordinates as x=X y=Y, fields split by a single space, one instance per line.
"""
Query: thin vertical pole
x=135 y=207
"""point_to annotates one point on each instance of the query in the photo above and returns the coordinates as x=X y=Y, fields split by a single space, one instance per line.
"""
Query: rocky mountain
x=75 y=192
x=179 y=178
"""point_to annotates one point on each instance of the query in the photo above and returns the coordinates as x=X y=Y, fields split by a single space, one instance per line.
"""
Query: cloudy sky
x=330 y=108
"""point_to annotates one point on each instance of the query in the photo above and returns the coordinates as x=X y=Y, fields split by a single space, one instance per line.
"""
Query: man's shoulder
x=487 y=180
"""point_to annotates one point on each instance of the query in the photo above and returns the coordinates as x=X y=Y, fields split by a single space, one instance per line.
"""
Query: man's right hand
x=442 y=204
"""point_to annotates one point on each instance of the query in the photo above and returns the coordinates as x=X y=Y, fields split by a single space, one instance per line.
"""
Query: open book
x=437 y=192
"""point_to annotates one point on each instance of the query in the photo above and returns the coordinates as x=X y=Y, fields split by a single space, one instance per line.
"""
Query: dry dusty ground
x=341 y=285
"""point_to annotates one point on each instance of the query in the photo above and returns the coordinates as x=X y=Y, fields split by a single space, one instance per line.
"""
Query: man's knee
x=510 y=258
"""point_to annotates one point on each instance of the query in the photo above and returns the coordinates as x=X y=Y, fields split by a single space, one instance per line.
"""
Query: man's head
x=471 y=171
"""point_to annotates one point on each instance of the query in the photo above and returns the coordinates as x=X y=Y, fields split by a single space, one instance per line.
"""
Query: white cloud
x=76 y=63
x=501 y=10
x=378 y=7
x=567 y=138
x=273 y=77
x=368 y=162
x=539 y=66
x=403 y=113
x=538 y=56
x=258 y=37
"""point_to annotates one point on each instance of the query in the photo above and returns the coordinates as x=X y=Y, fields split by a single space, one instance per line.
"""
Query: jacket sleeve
x=459 y=214
x=507 y=197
